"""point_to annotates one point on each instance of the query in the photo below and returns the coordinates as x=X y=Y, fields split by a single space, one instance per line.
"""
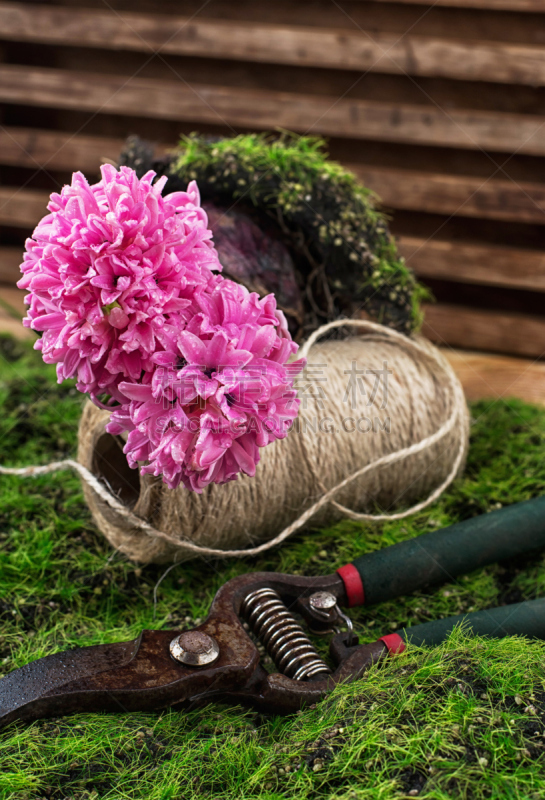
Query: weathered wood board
x=438 y=107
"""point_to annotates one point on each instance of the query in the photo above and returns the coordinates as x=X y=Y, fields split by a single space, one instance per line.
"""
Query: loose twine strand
x=455 y=418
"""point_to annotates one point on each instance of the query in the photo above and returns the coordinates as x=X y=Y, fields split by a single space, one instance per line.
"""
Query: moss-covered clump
x=346 y=258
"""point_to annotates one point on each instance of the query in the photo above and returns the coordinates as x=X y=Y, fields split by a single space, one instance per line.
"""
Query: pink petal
x=192 y=348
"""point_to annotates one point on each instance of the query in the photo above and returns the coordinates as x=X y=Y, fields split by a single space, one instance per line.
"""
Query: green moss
x=465 y=720
x=332 y=221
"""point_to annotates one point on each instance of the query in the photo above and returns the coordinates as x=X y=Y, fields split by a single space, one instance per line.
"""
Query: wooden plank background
x=439 y=108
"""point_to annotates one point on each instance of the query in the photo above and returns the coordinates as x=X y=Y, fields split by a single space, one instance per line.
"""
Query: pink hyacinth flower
x=223 y=392
x=122 y=282
x=108 y=269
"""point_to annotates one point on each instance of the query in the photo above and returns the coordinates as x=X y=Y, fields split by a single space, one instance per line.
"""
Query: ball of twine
x=356 y=446
x=383 y=422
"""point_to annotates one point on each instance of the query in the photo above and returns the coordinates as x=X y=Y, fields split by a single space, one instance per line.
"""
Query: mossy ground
x=463 y=720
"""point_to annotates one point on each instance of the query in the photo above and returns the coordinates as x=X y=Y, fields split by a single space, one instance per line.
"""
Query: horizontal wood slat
x=265 y=109
x=283 y=44
x=10 y=259
x=12 y=310
x=474 y=67
x=455 y=194
x=472 y=263
x=398 y=188
x=22 y=208
x=487 y=5
x=479 y=329
x=56 y=150
x=484 y=375
x=15 y=299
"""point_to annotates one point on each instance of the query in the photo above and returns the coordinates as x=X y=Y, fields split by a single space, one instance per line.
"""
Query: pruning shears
x=221 y=658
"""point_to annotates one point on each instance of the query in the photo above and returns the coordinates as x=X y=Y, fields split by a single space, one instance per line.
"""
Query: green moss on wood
x=330 y=218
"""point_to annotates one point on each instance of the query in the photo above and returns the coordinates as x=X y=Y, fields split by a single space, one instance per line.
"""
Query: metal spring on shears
x=281 y=636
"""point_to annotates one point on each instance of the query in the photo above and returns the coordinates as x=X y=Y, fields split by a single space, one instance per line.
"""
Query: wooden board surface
x=464 y=195
x=414 y=190
x=266 y=109
x=489 y=5
x=12 y=309
x=56 y=150
x=472 y=263
x=436 y=106
x=483 y=329
x=22 y=208
x=14 y=298
x=345 y=48
x=10 y=260
x=484 y=375
x=397 y=189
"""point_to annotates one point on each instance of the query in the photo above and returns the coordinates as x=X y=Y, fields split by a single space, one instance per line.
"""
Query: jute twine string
x=456 y=418
x=306 y=470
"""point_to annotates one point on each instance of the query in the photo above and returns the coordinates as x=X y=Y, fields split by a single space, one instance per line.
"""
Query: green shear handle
x=442 y=555
x=519 y=619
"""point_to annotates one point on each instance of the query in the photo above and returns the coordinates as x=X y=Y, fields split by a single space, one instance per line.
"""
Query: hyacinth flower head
x=107 y=268
x=222 y=392
x=123 y=284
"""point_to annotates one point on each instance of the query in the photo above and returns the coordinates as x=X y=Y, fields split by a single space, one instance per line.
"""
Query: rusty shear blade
x=218 y=659
x=139 y=675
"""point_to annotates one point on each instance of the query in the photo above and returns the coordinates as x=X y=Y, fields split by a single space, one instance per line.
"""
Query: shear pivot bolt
x=194 y=648
x=322 y=601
